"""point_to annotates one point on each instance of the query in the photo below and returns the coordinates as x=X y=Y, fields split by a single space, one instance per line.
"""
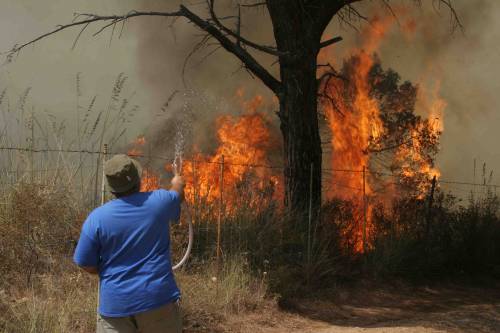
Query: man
x=127 y=242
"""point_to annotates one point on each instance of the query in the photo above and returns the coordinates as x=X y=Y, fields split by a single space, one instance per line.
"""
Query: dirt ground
x=395 y=308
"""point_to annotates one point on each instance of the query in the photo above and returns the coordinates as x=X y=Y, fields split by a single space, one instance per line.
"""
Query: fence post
x=428 y=216
x=103 y=180
x=96 y=183
x=32 y=143
x=309 y=221
x=193 y=209
x=364 y=209
x=219 y=219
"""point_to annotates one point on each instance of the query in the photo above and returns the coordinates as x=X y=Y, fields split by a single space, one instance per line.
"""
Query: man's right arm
x=178 y=186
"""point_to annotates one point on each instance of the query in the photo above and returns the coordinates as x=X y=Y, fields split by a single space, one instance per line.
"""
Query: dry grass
x=66 y=301
x=41 y=290
x=63 y=302
x=208 y=299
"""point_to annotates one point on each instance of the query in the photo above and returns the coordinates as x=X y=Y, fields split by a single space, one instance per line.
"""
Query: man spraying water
x=127 y=243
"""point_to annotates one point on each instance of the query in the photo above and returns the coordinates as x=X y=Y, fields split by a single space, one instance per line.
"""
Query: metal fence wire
x=211 y=234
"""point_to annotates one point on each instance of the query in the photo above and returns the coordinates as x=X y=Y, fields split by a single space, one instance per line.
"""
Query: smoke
x=152 y=52
x=164 y=44
x=463 y=66
x=207 y=80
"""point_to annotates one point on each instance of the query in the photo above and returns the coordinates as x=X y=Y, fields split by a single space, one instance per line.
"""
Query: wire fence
x=209 y=231
x=227 y=162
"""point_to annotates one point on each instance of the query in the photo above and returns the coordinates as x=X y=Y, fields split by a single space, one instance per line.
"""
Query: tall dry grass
x=44 y=198
x=66 y=301
x=42 y=291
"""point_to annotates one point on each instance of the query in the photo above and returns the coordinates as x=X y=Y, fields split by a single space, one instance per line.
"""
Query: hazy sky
x=151 y=54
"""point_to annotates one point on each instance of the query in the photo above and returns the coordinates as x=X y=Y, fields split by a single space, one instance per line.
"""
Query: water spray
x=177 y=167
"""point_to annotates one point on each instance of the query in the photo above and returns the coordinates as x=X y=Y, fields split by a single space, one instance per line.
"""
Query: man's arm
x=178 y=186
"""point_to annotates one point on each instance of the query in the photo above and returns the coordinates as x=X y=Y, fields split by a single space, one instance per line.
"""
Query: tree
x=298 y=29
x=405 y=144
x=409 y=143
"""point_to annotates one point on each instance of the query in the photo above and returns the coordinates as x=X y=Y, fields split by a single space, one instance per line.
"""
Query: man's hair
x=133 y=190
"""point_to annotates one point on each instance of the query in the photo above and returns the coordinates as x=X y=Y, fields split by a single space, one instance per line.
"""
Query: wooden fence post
x=219 y=220
x=103 y=181
x=309 y=222
x=193 y=209
x=428 y=216
x=32 y=149
x=364 y=209
x=96 y=184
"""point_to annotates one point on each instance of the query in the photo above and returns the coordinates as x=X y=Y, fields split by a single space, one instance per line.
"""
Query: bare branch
x=78 y=36
x=330 y=73
x=250 y=63
x=455 y=20
x=266 y=49
x=196 y=48
x=214 y=30
x=206 y=56
x=349 y=13
x=104 y=27
x=324 y=94
x=330 y=42
x=331 y=100
x=91 y=19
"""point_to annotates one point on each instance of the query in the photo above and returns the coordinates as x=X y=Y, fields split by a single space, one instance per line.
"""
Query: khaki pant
x=166 y=319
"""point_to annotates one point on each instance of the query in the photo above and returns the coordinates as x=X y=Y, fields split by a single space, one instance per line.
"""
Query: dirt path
x=391 y=309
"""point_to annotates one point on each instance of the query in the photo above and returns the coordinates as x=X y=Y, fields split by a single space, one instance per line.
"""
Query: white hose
x=190 y=241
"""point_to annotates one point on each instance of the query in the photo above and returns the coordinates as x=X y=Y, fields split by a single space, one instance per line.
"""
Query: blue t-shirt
x=128 y=239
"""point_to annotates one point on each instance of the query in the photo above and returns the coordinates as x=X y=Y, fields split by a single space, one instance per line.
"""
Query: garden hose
x=190 y=239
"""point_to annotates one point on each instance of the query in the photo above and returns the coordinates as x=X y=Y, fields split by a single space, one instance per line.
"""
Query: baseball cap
x=122 y=173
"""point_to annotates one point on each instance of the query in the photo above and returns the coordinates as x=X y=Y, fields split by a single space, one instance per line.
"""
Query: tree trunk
x=298 y=38
x=299 y=127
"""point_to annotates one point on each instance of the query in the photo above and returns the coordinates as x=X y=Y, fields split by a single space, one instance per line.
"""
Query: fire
x=357 y=128
x=136 y=149
x=354 y=125
x=244 y=142
x=233 y=173
x=413 y=163
x=149 y=180
x=141 y=140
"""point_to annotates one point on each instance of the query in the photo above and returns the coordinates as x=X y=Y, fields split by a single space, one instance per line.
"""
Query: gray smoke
x=152 y=52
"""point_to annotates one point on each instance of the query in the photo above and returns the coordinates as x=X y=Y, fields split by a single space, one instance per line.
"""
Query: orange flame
x=413 y=164
x=356 y=125
x=243 y=142
x=149 y=181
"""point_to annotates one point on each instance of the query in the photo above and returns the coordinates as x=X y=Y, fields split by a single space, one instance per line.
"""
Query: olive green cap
x=122 y=173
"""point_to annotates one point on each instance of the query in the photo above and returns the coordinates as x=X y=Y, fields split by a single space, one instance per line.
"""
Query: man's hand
x=178 y=185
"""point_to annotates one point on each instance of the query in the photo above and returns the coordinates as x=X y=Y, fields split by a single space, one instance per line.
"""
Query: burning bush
x=373 y=123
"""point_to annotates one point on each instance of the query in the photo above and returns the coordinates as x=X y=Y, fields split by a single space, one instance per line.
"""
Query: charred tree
x=298 y=28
